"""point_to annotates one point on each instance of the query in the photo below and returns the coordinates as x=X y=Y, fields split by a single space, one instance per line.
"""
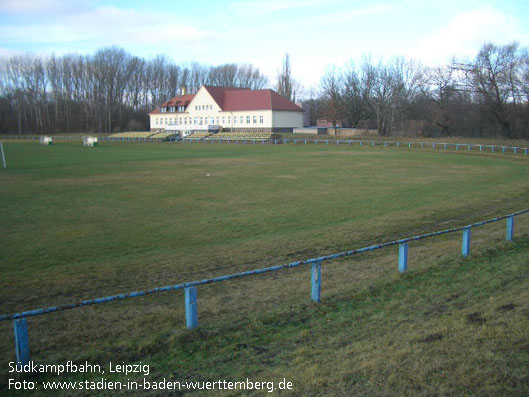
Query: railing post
x=20 y=327
x=466 y=242
x=316 y=282
x=403 y=257
x=191 y=307
x=510 y=228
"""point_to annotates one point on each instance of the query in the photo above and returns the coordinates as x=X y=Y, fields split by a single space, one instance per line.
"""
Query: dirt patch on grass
x=507 y=307
x=342 y=153
x=432 y=338
x=475 y=318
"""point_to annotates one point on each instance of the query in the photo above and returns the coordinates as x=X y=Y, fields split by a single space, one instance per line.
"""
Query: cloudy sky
x=316 y=33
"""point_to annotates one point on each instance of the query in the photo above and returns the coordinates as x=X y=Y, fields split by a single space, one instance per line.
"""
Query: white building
x=233 y=109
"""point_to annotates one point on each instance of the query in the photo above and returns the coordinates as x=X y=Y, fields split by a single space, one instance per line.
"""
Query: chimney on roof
x=183 y=90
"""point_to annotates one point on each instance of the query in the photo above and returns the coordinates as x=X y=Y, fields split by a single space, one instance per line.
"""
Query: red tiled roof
x=181 y=100
x=218 y=93
x=237 y=99
x=257 y=100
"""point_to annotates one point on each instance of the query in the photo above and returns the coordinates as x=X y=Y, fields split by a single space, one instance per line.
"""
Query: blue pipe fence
x=190 y=288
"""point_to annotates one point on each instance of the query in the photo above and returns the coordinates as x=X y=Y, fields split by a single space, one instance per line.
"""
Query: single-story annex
x=232 y=109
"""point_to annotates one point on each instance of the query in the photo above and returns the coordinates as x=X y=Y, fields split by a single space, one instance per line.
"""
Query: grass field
x=79 y=223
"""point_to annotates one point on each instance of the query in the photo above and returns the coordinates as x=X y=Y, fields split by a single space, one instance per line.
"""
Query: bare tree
x=286 y=85
x=331 y=86
x=494 y=78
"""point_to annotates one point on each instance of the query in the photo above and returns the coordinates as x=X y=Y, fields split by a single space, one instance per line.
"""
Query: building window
x=229 y=119
x=255 y=119
x=163 y=110
x=261 y=119
x=201 y=121
x=242 y=119
x=247 y=119
x=213 y=121
x=235 y=120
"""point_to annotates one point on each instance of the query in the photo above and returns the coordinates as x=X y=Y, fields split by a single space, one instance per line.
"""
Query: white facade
x=203 y=110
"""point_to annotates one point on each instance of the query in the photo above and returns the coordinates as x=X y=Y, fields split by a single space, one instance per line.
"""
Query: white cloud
x=38 y=6
x=107 y=26
x=351 y=14
x=129 y=26
x=464 y=35
x=265 y=7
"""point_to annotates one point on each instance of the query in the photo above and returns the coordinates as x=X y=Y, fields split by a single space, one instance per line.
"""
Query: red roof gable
x=237 y=99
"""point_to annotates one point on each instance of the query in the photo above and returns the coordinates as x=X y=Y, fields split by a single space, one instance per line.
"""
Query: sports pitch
x=81 y=223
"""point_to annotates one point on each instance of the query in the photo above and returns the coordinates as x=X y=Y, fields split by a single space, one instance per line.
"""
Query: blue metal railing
x=20 y=323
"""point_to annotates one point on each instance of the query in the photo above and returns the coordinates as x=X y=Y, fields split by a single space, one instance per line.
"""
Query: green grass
x=79 y=223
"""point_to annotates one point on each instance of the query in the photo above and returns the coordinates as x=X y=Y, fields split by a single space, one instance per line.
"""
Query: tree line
x=113 y=90
x=108 y=91
x=486 y=96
